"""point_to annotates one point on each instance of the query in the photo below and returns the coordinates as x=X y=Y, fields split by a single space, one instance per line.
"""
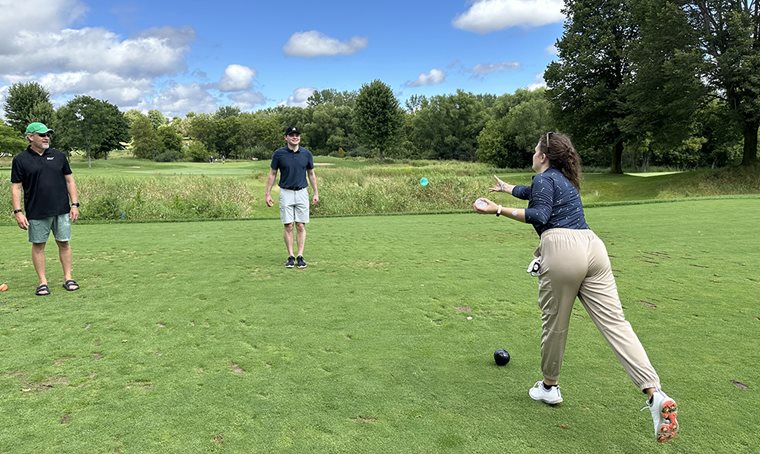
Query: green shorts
x=39 y=229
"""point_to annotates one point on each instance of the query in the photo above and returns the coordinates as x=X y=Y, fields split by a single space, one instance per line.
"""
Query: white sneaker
x=664 y=415
x=551 y=397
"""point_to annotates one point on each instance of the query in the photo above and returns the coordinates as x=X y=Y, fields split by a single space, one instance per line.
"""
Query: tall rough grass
x=397 y=190
x=163 y=198
x=363 y=189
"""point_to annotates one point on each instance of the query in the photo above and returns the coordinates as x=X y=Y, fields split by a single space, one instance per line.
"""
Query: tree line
x=638 y=83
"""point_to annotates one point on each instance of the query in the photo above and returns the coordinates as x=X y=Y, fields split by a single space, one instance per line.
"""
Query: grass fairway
x=192 y=337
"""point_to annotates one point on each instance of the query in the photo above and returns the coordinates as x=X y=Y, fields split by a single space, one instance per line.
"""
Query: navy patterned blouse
x=553 y=202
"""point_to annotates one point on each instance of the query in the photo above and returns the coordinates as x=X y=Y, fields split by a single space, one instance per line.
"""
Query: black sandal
x=71 y=285
x=42 y=290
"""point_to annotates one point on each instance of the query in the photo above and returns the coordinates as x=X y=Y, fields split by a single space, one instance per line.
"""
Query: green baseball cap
x=37 y=127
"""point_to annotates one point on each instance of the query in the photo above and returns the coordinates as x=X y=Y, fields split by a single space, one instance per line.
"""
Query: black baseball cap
x=292 y=130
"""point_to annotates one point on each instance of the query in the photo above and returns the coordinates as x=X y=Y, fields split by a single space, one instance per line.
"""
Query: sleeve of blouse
x=541 y=201
x=521 y=192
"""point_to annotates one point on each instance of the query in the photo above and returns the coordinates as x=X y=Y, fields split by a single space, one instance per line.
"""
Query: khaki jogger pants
x=575 y=263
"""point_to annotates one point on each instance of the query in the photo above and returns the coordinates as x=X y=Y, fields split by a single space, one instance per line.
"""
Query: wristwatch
x=75 y=204
x=498 y=211
x=17 y=211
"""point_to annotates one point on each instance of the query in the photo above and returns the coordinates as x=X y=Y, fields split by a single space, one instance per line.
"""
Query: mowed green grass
x=192 y=337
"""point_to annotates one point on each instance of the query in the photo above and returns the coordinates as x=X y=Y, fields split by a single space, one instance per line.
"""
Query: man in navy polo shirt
x=294 y=164
x=45 y=176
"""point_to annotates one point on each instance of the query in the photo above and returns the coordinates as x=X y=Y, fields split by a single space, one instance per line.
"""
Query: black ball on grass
x=501 y=357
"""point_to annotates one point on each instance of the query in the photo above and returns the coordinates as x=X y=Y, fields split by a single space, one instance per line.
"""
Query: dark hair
x=562 y=155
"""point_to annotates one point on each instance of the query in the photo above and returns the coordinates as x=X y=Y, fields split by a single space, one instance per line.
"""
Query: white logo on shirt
x=50 y=158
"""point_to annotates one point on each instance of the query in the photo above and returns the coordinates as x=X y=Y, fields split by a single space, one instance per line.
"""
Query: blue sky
x=182 y=56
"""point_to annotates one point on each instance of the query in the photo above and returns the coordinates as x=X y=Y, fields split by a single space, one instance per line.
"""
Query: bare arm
x=21 y=220
x=313 y=179
x=518 y=214
x=71 y=187
x=270 y=183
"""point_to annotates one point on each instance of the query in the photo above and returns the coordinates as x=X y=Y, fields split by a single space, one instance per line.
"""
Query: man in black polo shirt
x=294 y=163
x=45 y=176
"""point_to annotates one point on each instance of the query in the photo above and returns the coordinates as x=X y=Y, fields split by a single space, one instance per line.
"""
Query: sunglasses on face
x=44 y=134
x=294 y=135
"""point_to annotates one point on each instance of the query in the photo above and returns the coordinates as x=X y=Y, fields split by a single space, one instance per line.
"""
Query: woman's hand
x=501 y=186
x=484 y=206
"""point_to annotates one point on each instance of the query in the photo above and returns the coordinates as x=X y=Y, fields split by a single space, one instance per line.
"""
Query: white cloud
x=179 y=99
x=102 y=85
x=17 y=15
x=248 y=100
x=482 y=69
x=299 y=97
x=315 y=44
x=71 y=61
x=552 y=50
x=236 y=78
x=97 y=49
x=433 y=77
x=539 y=83
x=486 y=16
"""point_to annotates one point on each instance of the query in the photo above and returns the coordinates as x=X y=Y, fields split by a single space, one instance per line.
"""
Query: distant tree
x=91 y=124
x=332 y=96
x=11 y=141
x=226 y=125
x=171 y=140
x=227 y=112
x=585 y=85
x=28 y=102
x=729 y=38
x=157 y=119
x=377 y=118
x=509 y=138
x=146 y=143
x=330 y=128
x=415 y=103
x=259 y=134
x=131 y=115
x=195 y=151
x=663 y=89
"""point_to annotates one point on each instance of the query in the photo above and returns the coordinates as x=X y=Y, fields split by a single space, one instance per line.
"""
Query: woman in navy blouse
x=571 y=261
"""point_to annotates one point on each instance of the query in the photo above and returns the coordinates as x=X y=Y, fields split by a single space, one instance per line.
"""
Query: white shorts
x=294 y=206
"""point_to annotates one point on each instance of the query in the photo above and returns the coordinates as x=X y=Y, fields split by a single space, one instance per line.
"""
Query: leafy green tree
x=448 y=126
x=91 y=124
x=28 y=102
x=377 y=118
x=226 y=126
x=171 y=140
x=585 y=85
x=509 y=138
x=259 y=134
x=195 y=151
x=332 y=96
x=729 y=37
x=663 y=89
x=131 y=115
x=157 y=119
x=11 y=142
x=146 y=144
x=330 y=128
x=202 y=130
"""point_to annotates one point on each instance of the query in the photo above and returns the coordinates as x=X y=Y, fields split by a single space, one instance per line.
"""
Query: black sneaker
x=301 y=262
x=291 y=262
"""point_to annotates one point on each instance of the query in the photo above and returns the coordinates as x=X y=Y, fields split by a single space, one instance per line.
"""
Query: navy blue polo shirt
x=553 y=202
x=292 y=166
x=43 y=178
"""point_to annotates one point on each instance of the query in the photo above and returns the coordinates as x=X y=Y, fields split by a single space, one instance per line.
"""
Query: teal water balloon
x=423 y=181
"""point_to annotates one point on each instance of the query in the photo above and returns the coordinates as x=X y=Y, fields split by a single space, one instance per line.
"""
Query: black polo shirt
x=44 y=182
x=292 y=166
